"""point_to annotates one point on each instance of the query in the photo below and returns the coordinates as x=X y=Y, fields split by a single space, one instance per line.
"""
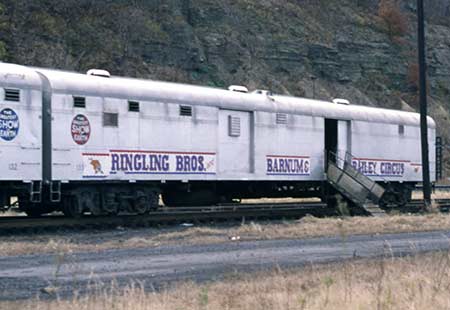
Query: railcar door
x=331 y=140
x=338 y=139
x=344 y=145
x=235 y=137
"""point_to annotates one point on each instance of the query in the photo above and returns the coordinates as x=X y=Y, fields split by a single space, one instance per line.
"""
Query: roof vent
x=238 y=88
x=341 y=101
x=99 y=72
x=263 y=92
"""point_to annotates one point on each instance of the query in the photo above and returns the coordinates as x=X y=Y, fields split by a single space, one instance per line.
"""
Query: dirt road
x=26 y=276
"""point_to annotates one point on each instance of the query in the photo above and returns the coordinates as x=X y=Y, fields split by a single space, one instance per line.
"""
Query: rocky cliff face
x=275 y=44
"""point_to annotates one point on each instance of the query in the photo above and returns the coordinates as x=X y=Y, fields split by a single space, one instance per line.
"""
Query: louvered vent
x=281 y=118
x=234 y=126
x=133 y=106
x=12 y=94
x=185 y=110
x=79 y=102
x=110 y=119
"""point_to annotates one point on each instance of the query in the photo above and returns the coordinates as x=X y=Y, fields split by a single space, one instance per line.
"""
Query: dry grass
x=437 y=194
x=134 y=238
x=407 y=283
x=151 y=237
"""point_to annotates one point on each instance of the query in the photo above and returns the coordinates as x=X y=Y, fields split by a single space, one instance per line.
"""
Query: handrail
x=344 y=164
x=347 y=168
x=348 y=160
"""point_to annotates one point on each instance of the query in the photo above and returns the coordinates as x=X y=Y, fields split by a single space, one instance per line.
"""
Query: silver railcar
x=106 y=144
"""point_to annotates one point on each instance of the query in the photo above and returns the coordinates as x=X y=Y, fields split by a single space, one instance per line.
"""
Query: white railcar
x=105 y=144
x=20 y=131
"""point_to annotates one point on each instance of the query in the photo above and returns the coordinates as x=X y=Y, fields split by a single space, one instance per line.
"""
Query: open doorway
x=331 y=139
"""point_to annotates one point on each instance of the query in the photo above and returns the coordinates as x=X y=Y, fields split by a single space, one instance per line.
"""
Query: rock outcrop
x=322 y=48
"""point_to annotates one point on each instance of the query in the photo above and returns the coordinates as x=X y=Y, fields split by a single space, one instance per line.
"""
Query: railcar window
x=281 y=118
x=79 y=102
x=234 y=126
x=12 y=94
x=110 y=119
x=401 y=130
x=133 y=106
x=185 y=110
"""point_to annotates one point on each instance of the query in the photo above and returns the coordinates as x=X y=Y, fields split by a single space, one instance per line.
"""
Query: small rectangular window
x=12 y=94
x=133 y=106
x=185 y=110
x=281 y=118
x=79 y=102
x=110 y=119
x=401 y=130
x=234 y=126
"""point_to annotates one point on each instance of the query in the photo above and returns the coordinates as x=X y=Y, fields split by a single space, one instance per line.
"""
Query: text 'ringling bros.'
x=147 y=162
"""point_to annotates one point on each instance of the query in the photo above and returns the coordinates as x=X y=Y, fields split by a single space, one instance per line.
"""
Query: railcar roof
x=149 y=90
x=19 y=77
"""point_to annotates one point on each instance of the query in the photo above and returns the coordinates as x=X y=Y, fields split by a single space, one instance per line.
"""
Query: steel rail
x=166 y=215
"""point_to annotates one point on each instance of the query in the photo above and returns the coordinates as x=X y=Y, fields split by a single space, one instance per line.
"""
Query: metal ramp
x=357 y=187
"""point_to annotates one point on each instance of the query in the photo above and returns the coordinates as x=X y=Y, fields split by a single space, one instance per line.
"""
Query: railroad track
x=442 y=204
x=163 y=216
x=167 y=216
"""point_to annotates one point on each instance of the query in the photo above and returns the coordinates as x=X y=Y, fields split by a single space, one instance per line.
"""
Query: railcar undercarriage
x=140 y=198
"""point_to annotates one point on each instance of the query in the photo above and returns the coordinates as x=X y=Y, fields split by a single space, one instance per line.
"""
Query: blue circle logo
x=9 y=124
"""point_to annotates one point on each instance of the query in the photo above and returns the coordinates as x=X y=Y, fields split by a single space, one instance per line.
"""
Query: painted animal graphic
x=97 y=166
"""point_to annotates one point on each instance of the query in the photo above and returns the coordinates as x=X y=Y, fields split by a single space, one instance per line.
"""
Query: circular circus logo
x=9 y=124
x=81 y=129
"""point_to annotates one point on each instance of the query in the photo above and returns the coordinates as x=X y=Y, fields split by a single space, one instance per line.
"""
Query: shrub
x=394 y=19
x=412 y=76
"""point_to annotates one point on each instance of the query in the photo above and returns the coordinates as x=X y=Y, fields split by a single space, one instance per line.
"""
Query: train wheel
x=72 y=207
x=154 y=200
x=141 y=205
x=391 y=199
x=111 y=209
x=145 y=201
x=110 y=206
